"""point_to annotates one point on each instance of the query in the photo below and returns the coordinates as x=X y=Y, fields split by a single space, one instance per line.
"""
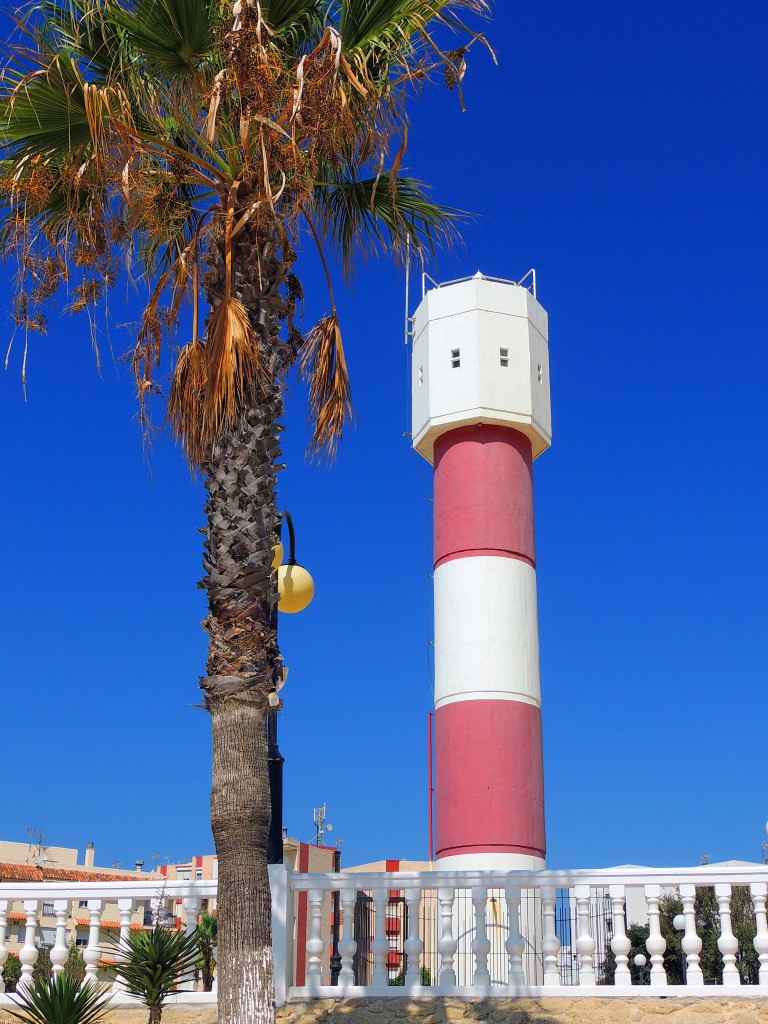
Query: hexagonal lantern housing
x=480 y=355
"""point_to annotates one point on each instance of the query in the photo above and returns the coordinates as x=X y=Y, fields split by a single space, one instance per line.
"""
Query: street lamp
x=678 y=923
x=294 y=584
x=295 y=588
x=640 y=961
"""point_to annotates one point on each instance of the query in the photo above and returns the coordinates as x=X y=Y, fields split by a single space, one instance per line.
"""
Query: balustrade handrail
x=706 y=875
x=204 y=888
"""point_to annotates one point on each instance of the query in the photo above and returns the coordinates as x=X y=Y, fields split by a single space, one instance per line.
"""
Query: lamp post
x=296 y=589
x=640 y=960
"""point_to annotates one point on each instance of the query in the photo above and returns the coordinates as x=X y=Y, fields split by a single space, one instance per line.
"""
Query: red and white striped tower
x=481 y=414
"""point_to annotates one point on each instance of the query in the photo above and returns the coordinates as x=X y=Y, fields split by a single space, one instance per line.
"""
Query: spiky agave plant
x=197 y=143
x=60 y=999
x=152 y=963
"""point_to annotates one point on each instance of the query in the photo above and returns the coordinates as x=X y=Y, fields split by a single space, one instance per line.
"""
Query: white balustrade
x=728 y=944
x=550 y=943
x=413 y=945
x=757 y=891
x=3 y=947
x=446 y=943
x=449 y=932
x=620 y=942
x=315 y=942
x=124 y=909
x=691 y=942
x=191 y=905
x=656 y=944
x=481 y=945
x=585 y=943
x=29 y=952
x=380 y=943
x=60 y=950
x=347 y=943
x=515 y=943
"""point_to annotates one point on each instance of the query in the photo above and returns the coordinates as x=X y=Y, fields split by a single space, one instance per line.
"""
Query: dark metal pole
x=335 y=955
x=275 y=765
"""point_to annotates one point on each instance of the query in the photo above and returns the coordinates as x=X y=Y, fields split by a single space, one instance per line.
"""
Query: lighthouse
x=481 y=415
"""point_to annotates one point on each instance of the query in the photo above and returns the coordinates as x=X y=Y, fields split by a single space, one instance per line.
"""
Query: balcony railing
x=545 y=933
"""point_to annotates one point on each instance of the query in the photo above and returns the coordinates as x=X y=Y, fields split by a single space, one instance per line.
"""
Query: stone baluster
x=757 y=891
x=60 y=950
x=347 y=944
x=481 y=945
x=380 y=943
x=446 y=943
x=413 y=945
x=28 y=953
x=125 y=909
x=92 y=952
x=3 y=947
x=691 y=942
x=727 y=943
x=315 y=943
x=191 y=905
x=585 y=943
x=620 y=942
x=514 y=944
x=655 y=943
x=550 y=944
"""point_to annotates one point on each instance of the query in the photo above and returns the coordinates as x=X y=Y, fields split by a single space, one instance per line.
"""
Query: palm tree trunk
x=242 y=664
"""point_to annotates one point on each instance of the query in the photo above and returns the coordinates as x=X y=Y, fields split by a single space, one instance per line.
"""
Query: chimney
x=139 y=866
x=90 y=854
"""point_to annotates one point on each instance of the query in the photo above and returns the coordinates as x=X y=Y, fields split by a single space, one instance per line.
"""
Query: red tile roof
x=33 y=873
x=17 y=915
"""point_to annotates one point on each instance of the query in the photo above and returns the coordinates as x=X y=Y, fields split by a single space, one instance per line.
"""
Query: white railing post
x=481 y=945
x=757 y=891
x=413 y=945
x=92 y=952
x=585 y=943
x=191 y=905
x=282 y=930
x=380 y=943
x=28 y=953
x=347 y=944
x=656 y=944
x=728 y=944
x=446 y=943
x=620 y=943
x=315 y=942
x=3 y=947
x=515 y=945
x=124 y=907
x=691 y=942
x=550 y=944
x=60 y=950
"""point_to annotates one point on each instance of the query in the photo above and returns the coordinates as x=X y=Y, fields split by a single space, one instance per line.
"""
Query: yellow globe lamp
x=295 y=587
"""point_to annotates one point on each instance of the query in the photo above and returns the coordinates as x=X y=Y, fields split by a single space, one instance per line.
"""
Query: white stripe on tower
x=481 y=414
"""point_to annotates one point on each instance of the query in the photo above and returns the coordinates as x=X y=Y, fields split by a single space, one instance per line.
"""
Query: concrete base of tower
x=490 y=862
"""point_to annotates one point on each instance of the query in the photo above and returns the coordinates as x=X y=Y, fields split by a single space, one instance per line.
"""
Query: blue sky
x=621 y=151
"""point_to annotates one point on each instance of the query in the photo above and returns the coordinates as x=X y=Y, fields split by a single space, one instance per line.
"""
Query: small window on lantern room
x=504 y=357
x=455 y=358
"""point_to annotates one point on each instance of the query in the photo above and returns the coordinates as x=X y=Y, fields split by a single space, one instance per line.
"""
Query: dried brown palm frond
x=324 y=368
x=185 y=400
x=235 y=369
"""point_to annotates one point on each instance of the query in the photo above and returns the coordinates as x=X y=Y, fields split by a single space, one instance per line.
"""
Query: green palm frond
x=360 y=216
x=384 y=25
x=295 y=21
x=153 y=962
x=175 y=35
x=60 y=1000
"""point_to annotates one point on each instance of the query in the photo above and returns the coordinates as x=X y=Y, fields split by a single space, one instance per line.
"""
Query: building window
x=47 y=937
x=504 y=356
x=455 y=358
x=81 y=938
x=48 y=910
x=198 y=873
x=82 y=903
x=183 y=874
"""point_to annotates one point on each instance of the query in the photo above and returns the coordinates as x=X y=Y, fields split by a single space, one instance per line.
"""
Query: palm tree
x=196 y=144
x=153 y=963
x=207 y=939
